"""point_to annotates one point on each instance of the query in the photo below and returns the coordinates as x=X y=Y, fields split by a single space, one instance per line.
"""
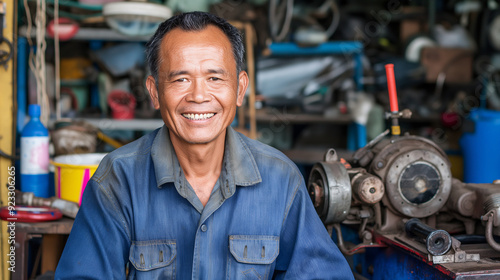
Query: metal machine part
x=438 y=242
x=492 y=219
x=67 y=208
x=460 y=256
x=492 y=205
x=415 y=182
x=330 y=189
x=461 y=199
x=471 y=200
x=416 y=173
x=367 y=188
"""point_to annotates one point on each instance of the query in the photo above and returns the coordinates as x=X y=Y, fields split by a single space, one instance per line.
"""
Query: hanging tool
x=5 y=55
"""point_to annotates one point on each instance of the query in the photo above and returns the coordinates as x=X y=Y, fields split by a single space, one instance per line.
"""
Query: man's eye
x=214 y=79
x=181 y=80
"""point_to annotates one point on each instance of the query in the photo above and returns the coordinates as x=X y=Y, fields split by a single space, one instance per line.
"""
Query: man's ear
x=153 y=91
x=242 y=87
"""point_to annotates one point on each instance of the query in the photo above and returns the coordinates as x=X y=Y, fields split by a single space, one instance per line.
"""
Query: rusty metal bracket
x=460 y=256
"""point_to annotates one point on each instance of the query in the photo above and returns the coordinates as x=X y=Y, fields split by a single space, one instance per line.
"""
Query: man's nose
x=199 y=92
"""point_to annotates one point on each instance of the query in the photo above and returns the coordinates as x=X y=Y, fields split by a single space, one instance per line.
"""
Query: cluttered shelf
x=311 y=156
x=271 y=114
x=262 y=115
x=92 y=33
x=123 y=124
x=282 y=115
x=313 y=134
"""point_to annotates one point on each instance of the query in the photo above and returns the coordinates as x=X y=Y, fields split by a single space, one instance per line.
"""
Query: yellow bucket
x=72 y=172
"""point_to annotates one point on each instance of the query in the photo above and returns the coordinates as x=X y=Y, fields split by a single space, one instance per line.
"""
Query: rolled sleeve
x=98 y=245
x=306 y=249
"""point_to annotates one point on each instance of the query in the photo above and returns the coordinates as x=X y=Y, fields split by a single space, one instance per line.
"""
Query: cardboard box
x=413 y=24
x=456 y=63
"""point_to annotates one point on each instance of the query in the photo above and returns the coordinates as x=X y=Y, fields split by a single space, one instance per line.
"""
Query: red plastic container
x=122 y=104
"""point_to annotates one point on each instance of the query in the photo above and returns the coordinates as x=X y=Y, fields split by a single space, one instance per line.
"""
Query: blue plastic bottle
x=35 y=155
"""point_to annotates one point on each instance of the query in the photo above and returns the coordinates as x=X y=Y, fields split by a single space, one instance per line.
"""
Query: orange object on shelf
x=74 y=68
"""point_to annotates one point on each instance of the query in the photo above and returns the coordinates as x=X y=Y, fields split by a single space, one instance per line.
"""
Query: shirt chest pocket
x=154 y=259
x=251 y=256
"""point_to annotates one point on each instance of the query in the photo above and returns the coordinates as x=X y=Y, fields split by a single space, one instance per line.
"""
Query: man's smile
x=198 y=116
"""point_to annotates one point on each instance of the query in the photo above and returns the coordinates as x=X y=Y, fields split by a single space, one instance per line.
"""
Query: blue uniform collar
x=238 y=167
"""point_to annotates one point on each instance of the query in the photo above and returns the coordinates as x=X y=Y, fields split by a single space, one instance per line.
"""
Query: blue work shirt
x=139 y=211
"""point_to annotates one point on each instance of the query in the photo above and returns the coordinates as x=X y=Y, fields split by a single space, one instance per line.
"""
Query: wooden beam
x=7 y=125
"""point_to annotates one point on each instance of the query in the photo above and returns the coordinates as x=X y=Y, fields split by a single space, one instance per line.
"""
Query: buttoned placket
x=224 y=189
x=204 y=232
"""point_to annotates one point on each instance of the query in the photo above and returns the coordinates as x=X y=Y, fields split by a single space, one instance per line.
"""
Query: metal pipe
x=67 y=208
x=22 y=84
x=378 y=214
x=438 y=242
x=340 y=239
x=489 y=232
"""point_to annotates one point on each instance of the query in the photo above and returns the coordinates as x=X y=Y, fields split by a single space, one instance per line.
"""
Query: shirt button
x=203 y=228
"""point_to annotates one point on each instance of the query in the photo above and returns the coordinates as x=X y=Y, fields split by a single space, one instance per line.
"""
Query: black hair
x=193 y=21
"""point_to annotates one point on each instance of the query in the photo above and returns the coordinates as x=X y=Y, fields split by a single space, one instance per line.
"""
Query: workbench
x=49 y=231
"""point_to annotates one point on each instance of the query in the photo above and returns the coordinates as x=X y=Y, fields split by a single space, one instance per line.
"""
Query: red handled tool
x=393 y=99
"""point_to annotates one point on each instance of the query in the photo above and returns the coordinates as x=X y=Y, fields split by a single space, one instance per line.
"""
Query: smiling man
x=195 y=199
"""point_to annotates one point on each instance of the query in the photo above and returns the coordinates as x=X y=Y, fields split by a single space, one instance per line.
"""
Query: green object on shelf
x=75 y=4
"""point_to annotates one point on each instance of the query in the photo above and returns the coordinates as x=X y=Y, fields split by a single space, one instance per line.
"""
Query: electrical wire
x=281 y=14
x=5 y=56
x=43 y=98
x=335 y=17
x=36 y=61
x=7 y=156
x=29 y=26
x=276 y=13
x=57 y=59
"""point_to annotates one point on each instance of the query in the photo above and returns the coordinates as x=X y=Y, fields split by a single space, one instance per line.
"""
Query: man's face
x=198 y=86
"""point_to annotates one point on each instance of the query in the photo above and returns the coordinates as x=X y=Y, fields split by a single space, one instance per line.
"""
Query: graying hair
x=193 y=21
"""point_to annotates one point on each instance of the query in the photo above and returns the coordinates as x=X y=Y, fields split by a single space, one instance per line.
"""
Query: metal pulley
x=330 y=189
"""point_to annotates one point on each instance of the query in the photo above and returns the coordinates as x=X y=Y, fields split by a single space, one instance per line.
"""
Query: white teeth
x=198 y=116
